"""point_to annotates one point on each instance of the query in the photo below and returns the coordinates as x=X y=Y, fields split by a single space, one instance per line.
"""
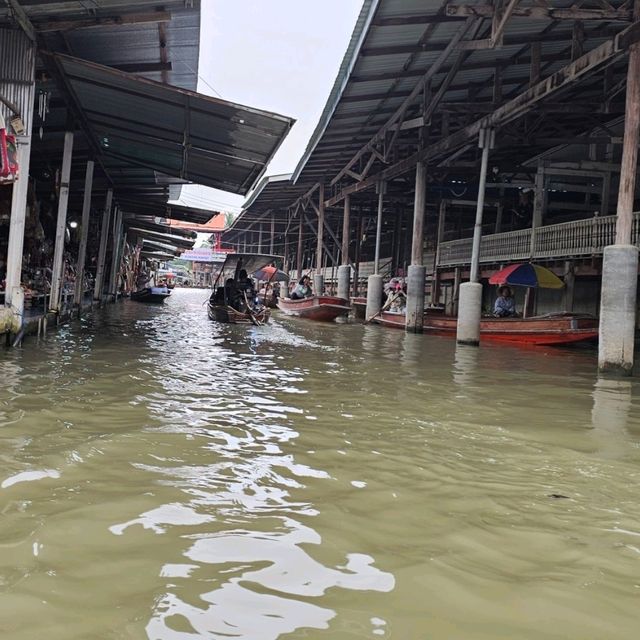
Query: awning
x=174 y=131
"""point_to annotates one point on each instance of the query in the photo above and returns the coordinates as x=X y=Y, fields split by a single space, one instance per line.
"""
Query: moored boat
x=151 y=294
x=550 y=329
x=227 y=314
x=321 y=308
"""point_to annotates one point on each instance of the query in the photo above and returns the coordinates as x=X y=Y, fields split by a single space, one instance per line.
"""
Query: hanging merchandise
x=8 y=155
x=43 y=109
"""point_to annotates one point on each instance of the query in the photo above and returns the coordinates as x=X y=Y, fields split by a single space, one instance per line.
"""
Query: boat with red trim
x=321 y=308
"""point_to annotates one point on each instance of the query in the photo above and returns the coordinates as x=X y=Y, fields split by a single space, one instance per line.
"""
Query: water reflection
x=610 y=415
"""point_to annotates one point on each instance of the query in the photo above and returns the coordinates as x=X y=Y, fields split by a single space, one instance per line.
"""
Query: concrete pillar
x=346 y=215
x=618 y=309
x=470 y=298
x=84 y=234
x=374 y=296
x=416 y=276
x=415 y=298
x=620 y=262
x=318 y=284
x=102 y=250
x=57 y=276
x=344 y=276
x=470 y=305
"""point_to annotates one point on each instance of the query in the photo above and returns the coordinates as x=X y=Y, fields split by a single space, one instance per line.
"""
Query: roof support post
x=57 y=276
x=486 y=142
x=14 y=295
x=470 y=297
x=115 y=248
x=272 y=237
x=102 y=250
x=381 y=191
x=345 y=231
x=620 y=261
x=320 y=228
x=299 y=255
x=84 y=235
x=538 y=207
x=417 y=244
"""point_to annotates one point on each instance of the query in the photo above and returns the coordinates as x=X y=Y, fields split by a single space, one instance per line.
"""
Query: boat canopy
x=250 y=262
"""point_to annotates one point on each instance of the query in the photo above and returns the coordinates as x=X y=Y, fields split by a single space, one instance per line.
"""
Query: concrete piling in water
x=344 y=277
x=415 y=298
x=374 y=296
x=470 y=311
x=618 y=309
x=318 y=284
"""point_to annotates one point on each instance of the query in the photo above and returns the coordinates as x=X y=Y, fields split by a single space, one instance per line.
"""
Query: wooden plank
x=541 y=12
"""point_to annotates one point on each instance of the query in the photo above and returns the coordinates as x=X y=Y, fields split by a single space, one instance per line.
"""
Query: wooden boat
x=225 y=313
x=220 y=308
x=321 y=308
x=151 y=294
x=550 y=329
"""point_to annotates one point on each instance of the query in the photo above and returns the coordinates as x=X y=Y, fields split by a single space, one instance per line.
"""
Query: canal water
x=169 y=478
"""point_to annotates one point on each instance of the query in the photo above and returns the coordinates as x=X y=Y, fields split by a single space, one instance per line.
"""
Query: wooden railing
x=565 y=240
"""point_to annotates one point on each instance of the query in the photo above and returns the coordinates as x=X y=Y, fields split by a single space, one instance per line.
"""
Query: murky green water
x=167 y=478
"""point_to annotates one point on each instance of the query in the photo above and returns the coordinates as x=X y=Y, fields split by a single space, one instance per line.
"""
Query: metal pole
x=345 y=231
x=102 y=250
x=376 y=260
x=486 y=143
x=57 y=275
x=84 y=233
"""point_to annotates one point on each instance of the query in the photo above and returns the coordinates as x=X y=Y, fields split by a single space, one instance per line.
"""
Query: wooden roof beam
x=584 y=66
x=542 y=12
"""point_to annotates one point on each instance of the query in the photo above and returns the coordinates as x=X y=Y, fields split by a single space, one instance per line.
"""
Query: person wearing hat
x=505 y=304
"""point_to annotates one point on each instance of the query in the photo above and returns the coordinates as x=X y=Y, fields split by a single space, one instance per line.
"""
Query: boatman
x=505 y=304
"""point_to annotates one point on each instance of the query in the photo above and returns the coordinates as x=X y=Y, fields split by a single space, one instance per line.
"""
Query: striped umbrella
x=527 y=274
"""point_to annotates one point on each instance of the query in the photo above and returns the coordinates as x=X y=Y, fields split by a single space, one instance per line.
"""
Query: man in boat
x=246 y=291
x=505 y=304
x=302 y=289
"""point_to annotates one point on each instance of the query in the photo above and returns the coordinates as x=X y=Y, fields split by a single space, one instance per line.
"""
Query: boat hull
x=320 y=308
x=151 y=294
x=541 y=330
x=229 y=315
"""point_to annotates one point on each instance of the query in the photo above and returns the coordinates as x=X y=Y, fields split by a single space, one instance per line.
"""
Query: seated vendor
x=302 y=289
x=505 y=304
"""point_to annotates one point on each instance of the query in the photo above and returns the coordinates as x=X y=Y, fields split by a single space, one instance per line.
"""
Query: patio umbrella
x=270 y=274
x=527 y=275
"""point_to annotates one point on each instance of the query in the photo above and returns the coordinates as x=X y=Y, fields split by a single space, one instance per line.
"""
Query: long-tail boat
x=550 y=329
x=321 y=308
x=228 y=302
x=151 y=294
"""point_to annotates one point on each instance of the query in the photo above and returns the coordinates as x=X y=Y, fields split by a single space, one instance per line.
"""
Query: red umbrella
x=270 y=274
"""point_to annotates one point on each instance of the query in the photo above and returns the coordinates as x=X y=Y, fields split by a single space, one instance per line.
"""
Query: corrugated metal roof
x=174 y=131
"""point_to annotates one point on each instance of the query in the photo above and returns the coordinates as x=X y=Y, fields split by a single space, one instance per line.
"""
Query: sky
x=278 y=55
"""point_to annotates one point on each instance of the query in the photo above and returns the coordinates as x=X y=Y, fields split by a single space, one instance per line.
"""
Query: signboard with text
x=203 y=254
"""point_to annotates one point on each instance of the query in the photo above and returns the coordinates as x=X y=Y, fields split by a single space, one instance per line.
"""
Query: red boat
x=551 y=329
x=323 y=308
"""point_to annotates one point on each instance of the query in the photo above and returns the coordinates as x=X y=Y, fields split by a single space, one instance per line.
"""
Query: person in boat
x=302 y=289
x=505 y=304
x=246 y=292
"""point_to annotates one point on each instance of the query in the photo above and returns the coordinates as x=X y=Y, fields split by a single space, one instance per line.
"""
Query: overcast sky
x=278 y=55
